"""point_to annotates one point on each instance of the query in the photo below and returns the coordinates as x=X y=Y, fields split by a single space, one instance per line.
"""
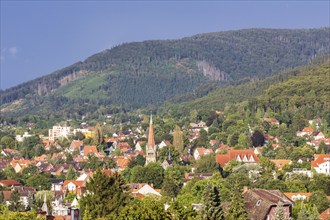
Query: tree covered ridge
x=130 y=69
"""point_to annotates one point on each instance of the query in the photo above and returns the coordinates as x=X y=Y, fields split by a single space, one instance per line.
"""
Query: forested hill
x=135 y=75
x=301 y=92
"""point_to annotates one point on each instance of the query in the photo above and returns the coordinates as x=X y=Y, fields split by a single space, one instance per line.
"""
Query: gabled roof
x=75 y=182
x=259 y=201
x=319 y=159
x=297 y=196
x=202 y=151
x=89 y=150
x=249 y=154
x=76 y=144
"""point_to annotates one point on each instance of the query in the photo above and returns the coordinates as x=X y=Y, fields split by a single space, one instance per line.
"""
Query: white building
x=58 y=131
x=20 y=138
x=321 y=163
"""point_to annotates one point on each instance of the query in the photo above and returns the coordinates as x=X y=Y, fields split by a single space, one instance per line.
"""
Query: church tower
x=151 y=147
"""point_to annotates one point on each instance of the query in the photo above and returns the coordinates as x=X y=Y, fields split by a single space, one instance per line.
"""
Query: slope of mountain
x=305 y=89
x=135 y=75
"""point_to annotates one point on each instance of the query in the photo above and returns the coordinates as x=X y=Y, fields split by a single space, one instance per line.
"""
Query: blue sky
x=39 y=37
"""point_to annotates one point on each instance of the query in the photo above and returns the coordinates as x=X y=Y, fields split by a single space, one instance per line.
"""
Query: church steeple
x=151 y=135
x=151 y=147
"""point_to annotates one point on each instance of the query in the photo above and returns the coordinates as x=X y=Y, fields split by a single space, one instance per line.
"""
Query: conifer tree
x=303 y=213
x=107 y=195
x=98 y=135
x=71 y=174
x=236 y=209
x=178 y=138
x=212 y=209
x=15 y=203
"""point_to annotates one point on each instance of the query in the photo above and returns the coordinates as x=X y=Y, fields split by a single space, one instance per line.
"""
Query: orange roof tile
x=308 y=130
x=89 y=150
x=325 y=215
x=319 y=159
x=281 y=163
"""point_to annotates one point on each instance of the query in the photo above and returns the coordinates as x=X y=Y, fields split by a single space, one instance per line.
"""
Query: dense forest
x=135 y=75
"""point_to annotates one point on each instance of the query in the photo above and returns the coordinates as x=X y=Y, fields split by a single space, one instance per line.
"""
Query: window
x=258 y=202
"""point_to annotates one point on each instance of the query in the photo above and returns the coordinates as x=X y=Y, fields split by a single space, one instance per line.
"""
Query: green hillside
x=135 y=75
x=303 y=91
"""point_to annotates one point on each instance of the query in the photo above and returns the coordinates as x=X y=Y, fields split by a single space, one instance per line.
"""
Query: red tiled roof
x=325 y=215
x=281 y=163
x=9 y=183
x=89 y=150
x=75 y=182
x=222 y=159
x=319 y=159
x=308 y=130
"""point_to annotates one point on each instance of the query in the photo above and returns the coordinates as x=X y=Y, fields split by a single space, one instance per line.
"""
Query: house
x=57 y=184
x=138 y=145
x=272 y=121
x=9 y=152
x=20 y=138
x=297 y=196
x=121 y=162
x=24 y=193
x=144 y=189
x=164 y=143
x=321 y=163
x=89 y=150
x=166 y=163
x=42 y=157
x=300 y=171
x=281 y=163
x=261 y=204
x=75 y=145
x=74 y=186
x=318 y=135
x=200 y=151
x=305 y=132
x=200 y=176
x=245 y=156
x=20 y=165
x=198 y=126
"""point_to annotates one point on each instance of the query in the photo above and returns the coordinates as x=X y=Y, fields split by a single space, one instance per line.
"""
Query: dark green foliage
x=236 y=210
x=212 y=209
x=152 y=174
x=173 y=181
x=15 y=203
x=39 y=182
x=108 y=195
x=257 y=139
x=319 y=199
x=207 y=164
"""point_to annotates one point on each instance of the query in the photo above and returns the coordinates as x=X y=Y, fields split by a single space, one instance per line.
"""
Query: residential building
x=58 y=131
x=245 y=156
x=321 y=163
x=261 y=204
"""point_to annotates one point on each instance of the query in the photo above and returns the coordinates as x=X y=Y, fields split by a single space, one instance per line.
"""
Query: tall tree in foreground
x=107 y=195
x=236 y=209
x=212 y=209
x=178 y=138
